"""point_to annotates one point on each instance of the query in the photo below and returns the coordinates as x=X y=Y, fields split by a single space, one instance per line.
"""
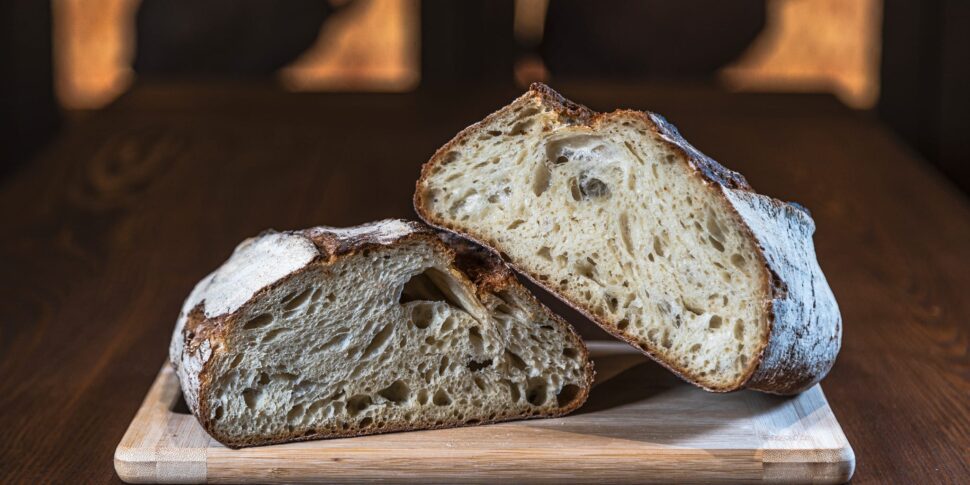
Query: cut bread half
x=384 y=327
x=660 y=245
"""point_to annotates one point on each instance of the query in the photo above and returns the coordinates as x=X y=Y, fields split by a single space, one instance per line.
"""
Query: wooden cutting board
x=640 y=424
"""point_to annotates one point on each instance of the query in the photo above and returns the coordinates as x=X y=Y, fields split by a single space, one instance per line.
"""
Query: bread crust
x=199 y=338
x=803 y=328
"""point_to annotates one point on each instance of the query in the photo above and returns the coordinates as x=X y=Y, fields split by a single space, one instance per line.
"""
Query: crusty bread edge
x=488 y=274
x=782 y=377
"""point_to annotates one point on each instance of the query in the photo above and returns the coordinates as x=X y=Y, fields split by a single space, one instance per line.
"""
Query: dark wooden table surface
x=107 y=231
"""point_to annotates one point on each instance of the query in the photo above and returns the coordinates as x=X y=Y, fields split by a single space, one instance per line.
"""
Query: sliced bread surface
x=333 y=332
x=657 y=243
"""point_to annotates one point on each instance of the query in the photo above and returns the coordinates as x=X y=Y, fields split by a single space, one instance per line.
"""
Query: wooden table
x=105 y=234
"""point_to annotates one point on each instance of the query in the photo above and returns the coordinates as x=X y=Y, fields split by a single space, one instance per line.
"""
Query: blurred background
x=904 y=62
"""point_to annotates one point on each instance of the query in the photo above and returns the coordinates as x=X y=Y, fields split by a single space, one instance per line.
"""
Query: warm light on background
x=94 y=46
x=815 y=45
x=374 y=45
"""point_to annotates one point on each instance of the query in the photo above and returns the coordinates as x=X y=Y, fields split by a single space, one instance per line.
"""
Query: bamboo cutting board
x=640 y=424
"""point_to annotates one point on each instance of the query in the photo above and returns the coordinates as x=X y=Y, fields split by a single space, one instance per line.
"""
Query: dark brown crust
x=482 y=266
x=708 y=167
x=711 y=172
x=569 y=111
x=482 y=271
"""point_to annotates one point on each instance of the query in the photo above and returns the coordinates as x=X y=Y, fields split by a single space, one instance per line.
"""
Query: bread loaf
x=657 y=243
x=384 y=327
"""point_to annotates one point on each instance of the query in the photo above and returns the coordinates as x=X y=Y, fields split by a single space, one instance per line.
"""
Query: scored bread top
x=255 y=265
x=803 y=331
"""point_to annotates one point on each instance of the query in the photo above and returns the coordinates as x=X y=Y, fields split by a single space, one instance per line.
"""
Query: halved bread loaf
x=339 y=332
x=663 y=247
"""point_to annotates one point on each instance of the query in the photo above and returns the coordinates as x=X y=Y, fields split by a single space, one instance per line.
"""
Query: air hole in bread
x=298 y=300
x=273 y=334
x=358 y=403
x=592 y=188
x=475 y=339
x=339 y=341
x=441 y=398
x=450 y=157
x=715 y=322
x=516 y=223
x=739 y=330
x=536 y=391
x=666 y=342
x=541 y=179
x=258 y=321
x=570 y=352
x=586 y=269
x=738 y=261
x=443 y=364
x=316 y=406
x=521 y=127
x=398 y=392
x=527 y=113
x=422 y=315
x=479 y=383
x=658 y=247
x=430 y=285
x=716 y=244
x=378 y=341
x=574 y=190
x=545 y=253
x=475 y=365
x=447 y=325
x=612 y=303
x=250 y=396
x=713 y=227
x=624 y=222
x=691 y=306
x=295 y=414
x=515 y=360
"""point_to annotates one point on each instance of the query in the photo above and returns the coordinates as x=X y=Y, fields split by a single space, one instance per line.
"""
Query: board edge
x=138 y=458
